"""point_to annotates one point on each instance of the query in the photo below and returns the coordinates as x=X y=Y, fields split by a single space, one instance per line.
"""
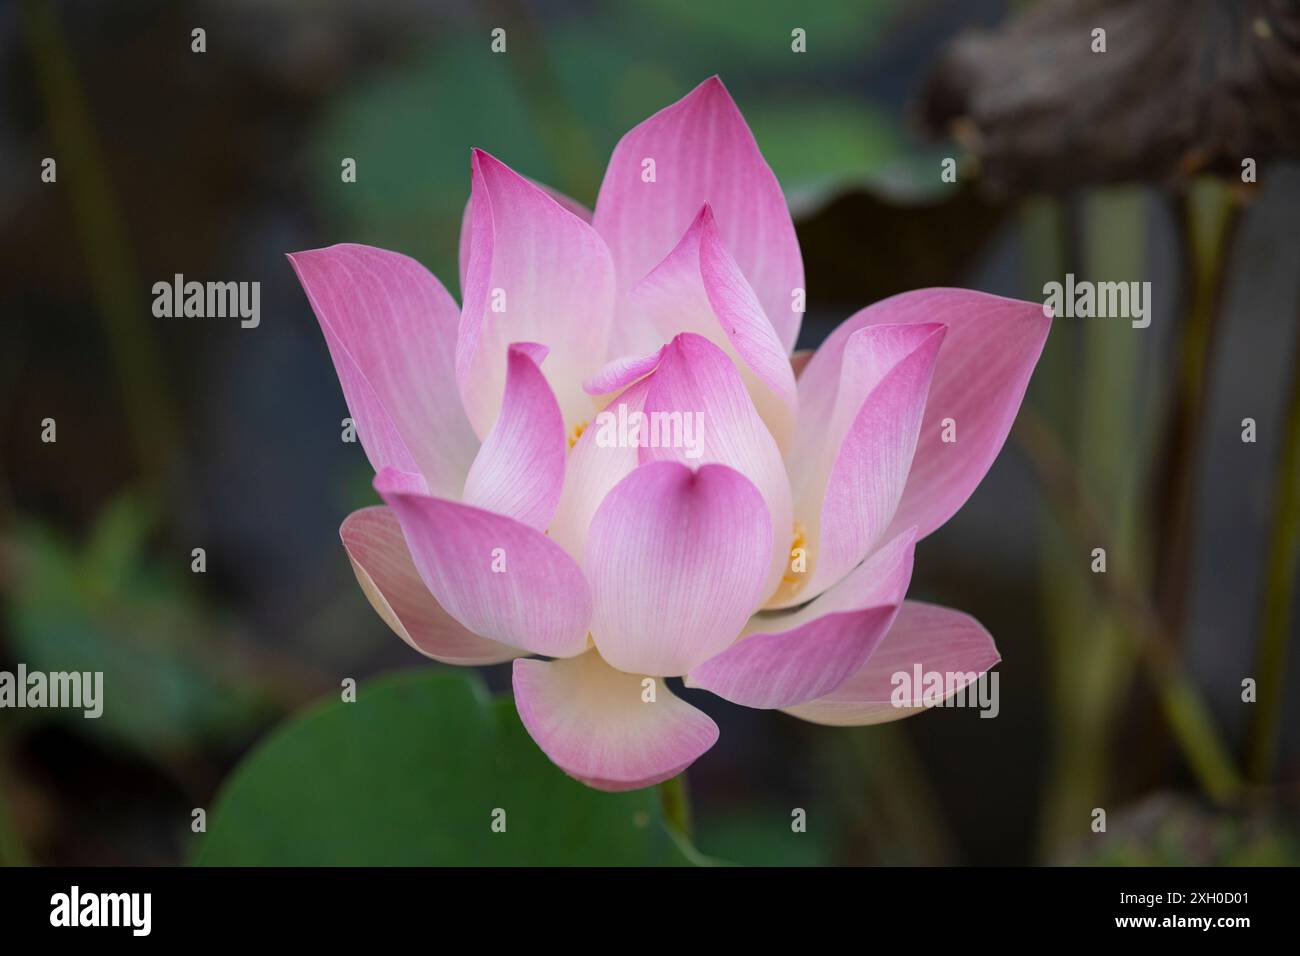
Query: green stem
x=1208 y=219
x=103 y=242
x=1090 y=404
x=1186 y=714
x=1191 y=724
x=1275 y=615
x=899 y=815
x=677 y=805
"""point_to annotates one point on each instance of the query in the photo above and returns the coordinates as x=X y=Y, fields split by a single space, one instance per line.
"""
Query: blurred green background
x=1121 y=691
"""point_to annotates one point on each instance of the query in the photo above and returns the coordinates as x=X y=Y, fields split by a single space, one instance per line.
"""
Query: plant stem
x=676 y=801
x=1275 y=614
x=1090 y=404
x=1207 y=221
x=1184 y=712
x=103 y=241
x=898 y=814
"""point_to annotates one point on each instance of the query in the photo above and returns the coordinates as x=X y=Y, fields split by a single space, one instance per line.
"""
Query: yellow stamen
x=578 y=429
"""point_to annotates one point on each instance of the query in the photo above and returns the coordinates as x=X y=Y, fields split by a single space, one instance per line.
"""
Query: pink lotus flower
x=768 y=560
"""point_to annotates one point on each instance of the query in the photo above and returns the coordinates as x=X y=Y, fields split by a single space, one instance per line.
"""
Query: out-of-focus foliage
x=1170 y=830
x=171 y=681
x=761 y=835
x=416 y=771
x=556 y=103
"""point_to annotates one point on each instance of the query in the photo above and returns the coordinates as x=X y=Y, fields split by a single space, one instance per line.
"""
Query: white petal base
x=609 y=729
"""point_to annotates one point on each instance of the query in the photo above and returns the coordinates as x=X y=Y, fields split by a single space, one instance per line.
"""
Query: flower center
x=578 y=429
